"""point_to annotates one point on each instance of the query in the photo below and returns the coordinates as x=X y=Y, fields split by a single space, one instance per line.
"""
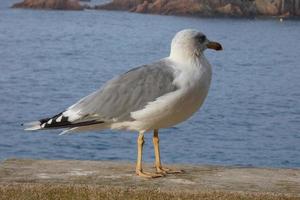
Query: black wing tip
x=60 y=121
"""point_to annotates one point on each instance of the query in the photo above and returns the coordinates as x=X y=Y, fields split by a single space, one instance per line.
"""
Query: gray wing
x=128 y=92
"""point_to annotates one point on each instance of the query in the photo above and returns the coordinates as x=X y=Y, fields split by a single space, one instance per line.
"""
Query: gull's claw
x=164 y=170
x=148 y=175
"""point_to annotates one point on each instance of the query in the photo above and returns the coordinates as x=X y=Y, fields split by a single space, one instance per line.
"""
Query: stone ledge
x=116 y=180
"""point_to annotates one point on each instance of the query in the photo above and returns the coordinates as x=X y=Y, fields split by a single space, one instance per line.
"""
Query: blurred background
x=51 y=58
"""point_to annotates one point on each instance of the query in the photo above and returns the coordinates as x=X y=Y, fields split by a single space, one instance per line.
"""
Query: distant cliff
x=207 y=8
x=50 y=4
x=230 y=8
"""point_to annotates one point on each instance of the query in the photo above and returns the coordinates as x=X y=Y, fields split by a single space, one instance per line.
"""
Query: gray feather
x=128 y=92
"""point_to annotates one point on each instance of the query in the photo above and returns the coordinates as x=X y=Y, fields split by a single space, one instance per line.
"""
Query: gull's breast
x=195 y=86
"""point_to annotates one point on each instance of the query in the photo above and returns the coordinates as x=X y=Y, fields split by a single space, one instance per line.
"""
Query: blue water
x=50 y=59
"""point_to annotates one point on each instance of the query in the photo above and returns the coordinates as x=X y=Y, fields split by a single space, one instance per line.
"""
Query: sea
x=51 y=59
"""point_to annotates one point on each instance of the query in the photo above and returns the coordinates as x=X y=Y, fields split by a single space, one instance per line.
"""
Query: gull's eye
x=201 y=38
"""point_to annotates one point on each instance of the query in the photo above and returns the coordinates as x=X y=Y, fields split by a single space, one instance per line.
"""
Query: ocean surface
x=50 y=59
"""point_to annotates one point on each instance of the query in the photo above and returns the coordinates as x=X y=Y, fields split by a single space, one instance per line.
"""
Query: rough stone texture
x=195 y=180
x=233 y=8
x=142 y=8
x=266 y=7
x=120 y=5
x=50 y=4
x=230 y=9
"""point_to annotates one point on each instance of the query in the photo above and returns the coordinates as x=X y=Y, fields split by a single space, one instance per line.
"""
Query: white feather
x=32 y=126
x=72 y=115
x=59 y=119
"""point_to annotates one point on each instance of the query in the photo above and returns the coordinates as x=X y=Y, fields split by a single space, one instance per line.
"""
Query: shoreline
x=259 y=17
x=180 y=8
x=223 y=9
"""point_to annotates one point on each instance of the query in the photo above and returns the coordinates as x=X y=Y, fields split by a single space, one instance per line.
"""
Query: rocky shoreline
x=213 y=8
x=50 y=4
x=201 y=8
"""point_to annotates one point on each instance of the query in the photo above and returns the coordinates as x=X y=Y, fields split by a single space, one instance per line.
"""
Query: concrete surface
x=121 y=175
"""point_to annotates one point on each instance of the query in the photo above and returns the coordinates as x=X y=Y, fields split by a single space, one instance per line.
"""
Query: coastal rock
x=171 y=7
x=231 y=8
x=177 y=7
x=157 y=6
x=50 y=4
x=266 y=7
x=142 y=8
x=129 y=5
x=182 y=7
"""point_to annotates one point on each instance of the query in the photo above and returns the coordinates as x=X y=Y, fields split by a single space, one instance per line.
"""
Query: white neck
x=183 y=54
x=188 y=58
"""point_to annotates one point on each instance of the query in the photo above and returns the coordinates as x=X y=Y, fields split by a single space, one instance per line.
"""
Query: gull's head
x=191 y=43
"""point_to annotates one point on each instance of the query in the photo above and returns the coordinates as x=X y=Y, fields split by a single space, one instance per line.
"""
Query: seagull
x=146 y=98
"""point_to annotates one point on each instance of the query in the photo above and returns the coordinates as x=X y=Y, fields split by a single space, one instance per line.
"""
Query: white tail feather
x=32 y=126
